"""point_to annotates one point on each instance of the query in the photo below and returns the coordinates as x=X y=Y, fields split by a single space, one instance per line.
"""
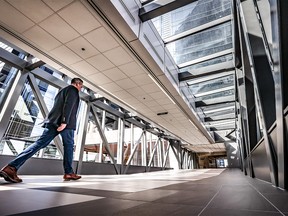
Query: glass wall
x=108 y=136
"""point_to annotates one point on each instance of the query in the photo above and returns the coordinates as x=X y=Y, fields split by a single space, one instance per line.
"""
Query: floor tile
x=236 y=212
x=240 y=197
x=177 y=192
x=101 y=207
x=16 y=201
x=148 y=195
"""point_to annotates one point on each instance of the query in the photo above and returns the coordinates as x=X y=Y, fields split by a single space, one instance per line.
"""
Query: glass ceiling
x=199 y=37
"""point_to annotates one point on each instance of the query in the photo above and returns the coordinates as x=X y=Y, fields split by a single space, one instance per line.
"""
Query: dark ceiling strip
x=184 y=76
x=208 y=119
x=229 y=134
x=147 y=2
x=203 y=104
x=153 y=10
x=221 y=128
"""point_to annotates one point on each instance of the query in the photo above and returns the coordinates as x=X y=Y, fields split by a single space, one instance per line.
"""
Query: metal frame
x=279 y=9
x=151 y=11
x=104 y=139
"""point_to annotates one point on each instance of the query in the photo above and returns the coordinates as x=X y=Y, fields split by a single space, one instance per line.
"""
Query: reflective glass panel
x=220 y=117
x=191 y=16
x=222 y=59
x=221 y=109
x=219 y=95
x=204 y=43
x=211 y=85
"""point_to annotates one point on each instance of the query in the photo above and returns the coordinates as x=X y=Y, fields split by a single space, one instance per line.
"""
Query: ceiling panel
x=57 y=27
x=123 y=95
x=77 y=46
x=132 y=69
x=81 y=20
x=56 y=4
x=42 y=38
x=34 y=10
x=150 y=88
x=113 y=87
x=126 y=83
x=100 y=62
x=141 y=79
x=85 y=68
x=115 y=74
x=118 y=56
x=99 y=79
x=101 y=39
x=13 y=18
x=158 y=95
x=66 y=55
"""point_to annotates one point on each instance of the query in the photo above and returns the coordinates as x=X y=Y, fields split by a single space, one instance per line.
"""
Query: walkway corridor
x=185 y=192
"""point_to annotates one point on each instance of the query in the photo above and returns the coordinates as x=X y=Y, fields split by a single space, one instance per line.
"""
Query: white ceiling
x=62 y=28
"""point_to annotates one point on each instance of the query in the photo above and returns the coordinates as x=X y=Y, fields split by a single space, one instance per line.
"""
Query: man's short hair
x=76 y=80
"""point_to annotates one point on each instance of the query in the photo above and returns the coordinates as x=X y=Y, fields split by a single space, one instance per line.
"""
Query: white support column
x=100 y=156
x=120 y=143
x=159 y=153
x=132 y=142
x=144 y=150
x=81 y=131
x=150 y=149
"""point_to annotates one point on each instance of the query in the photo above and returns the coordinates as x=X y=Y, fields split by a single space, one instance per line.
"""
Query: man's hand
x=61 y=127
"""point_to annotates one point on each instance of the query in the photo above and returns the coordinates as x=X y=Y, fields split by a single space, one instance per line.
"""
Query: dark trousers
x=49 y=133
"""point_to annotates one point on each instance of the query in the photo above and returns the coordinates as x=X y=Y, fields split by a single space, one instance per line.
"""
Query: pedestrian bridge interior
x=177 y=94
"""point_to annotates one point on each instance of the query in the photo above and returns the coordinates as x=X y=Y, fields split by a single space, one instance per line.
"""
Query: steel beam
x=43 y=108
x=104 y=139
x=133 y=153
x=262 y=78
x=82 y=137
x=279 y=10
x=151 y=11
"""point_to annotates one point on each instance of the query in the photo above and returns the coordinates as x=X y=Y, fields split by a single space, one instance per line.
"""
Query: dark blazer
x=65 y=108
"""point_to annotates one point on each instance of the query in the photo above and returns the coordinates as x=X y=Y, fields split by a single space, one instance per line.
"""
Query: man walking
x=61 y=120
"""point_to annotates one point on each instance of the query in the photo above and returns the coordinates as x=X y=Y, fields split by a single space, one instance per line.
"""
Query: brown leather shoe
x=9 y=173
x=72 y=176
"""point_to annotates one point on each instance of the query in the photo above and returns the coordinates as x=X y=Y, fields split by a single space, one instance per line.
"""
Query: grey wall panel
x=91 y=168
x=42 y=166
x=233 y=156
x=260 y=163
x=273 y=137
x=286 y=127
x=37 y=166
x=246 y=167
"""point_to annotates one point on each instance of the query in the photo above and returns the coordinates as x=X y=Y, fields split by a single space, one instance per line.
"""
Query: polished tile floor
x=184 y=192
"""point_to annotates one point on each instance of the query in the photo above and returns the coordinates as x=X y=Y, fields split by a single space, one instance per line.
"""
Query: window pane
x=191 y=16
x=214 y=84
x=214 y=61
x=208 y=42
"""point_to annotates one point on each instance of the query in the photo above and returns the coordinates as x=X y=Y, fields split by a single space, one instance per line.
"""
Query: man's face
x=79 y=86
